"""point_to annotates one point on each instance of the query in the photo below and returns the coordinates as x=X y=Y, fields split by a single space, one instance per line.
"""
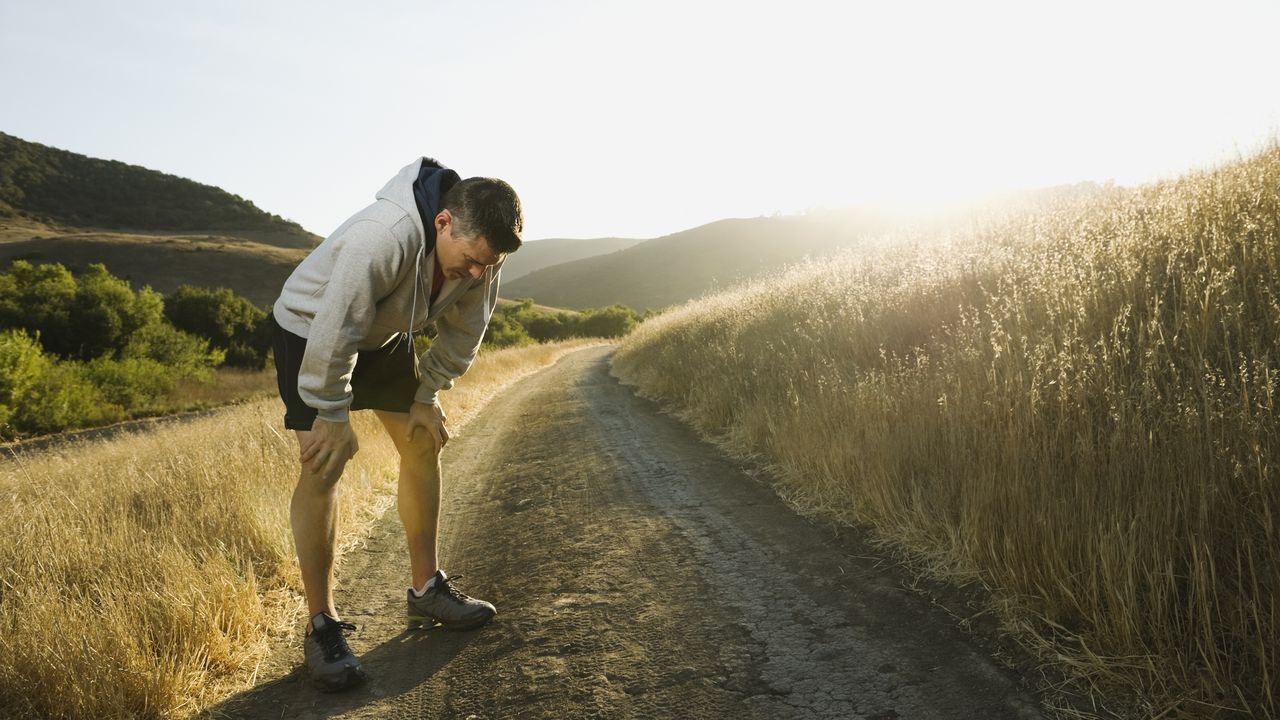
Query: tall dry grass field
x=1075 y=405
x=146 y=576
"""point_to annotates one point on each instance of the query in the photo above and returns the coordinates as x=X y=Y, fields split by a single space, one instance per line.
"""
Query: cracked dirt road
x=638 y=573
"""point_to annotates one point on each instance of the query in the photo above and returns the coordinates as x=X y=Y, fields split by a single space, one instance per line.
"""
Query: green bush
x=107 y=313
x=83 y=351
x=230 y=322
x=183 y=354
x=80 y=318
x=38 y=299
x=40 y=395
x=505 y=331
x=21 y=364
x=134 y=383
x=610 y=322
x=543 y=326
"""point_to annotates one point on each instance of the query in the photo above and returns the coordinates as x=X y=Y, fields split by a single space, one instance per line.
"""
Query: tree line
x=80 y=351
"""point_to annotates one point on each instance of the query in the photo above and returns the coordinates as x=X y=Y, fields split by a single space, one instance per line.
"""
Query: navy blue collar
x=434 y=180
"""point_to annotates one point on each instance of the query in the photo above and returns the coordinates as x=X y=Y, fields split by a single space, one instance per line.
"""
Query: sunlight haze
x=641 y=119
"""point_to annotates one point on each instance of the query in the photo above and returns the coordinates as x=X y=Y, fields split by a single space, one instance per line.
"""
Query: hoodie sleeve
x=459 y=330
x=366 y=264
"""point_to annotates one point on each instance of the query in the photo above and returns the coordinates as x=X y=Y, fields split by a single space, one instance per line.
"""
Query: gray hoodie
x=369 y=282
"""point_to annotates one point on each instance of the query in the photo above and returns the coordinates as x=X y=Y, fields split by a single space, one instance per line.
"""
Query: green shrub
x=134 y=383
x=22 y=362
x=106 y=314
x=81 y=318
x=83 y=351
x=40 y=395
x=543 y=326
x=185 y=355
x=505 y=331
x=230 y=322
x=610 y=322
x=37 y=298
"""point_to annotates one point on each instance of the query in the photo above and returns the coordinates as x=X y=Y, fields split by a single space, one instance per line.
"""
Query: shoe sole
x=418 y=622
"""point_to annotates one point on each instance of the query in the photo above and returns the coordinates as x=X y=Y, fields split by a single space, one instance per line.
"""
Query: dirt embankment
x=637 y=574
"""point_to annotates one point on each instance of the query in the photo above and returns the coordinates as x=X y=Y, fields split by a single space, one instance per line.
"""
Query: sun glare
x=745 y=112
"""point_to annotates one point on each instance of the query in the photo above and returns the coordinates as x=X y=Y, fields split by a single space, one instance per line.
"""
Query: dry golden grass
x=1075 y=405
x=229 y=385
x=145 y=576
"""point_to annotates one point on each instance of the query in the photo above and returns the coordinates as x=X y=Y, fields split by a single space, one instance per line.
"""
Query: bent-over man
x=429 y=249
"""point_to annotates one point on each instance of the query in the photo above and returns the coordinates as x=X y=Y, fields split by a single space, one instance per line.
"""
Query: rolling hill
x=148 y=227
x=678 y=267
x=685 y=265
x=58 y=187
x=537 y=254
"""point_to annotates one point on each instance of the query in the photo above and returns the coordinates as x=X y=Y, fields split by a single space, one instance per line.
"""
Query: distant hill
x=673 y=269
x=678 y=267
x=57 y=187
x=538 y=254
x=252 y=269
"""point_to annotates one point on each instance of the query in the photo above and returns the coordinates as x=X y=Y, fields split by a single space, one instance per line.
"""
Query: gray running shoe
x=330 y=662
x=445 y=604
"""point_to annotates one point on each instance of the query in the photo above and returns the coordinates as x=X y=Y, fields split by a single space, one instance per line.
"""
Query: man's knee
x=321 y=482
x=422 y=451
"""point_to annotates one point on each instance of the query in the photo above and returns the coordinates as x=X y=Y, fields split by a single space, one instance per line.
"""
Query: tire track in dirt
x=638 y=573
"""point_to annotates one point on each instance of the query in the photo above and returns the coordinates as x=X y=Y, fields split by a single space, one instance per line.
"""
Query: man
x=429 y=249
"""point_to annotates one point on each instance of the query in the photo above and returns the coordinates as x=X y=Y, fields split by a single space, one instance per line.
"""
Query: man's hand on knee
x=328 y=446
x=428 y=419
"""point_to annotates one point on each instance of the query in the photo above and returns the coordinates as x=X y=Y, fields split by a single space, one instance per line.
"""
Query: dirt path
x=638 y=574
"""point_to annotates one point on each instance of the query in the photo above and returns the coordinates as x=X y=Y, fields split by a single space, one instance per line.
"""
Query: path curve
x=638 y=573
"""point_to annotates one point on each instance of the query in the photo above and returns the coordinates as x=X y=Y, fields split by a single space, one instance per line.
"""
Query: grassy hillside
x=255 y=270
x=538 y=254
x=55 y=186
x=675 y=268
x=1074 y=406
x=685 y=265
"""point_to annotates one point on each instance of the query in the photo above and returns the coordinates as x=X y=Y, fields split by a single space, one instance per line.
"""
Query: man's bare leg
x=418 y=496
x=418 y=501
x=313 y=515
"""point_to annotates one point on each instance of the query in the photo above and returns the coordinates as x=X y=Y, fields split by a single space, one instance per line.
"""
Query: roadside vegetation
x=1073 y=405
x=146 y=576
x=524 y=323
x=86 y=351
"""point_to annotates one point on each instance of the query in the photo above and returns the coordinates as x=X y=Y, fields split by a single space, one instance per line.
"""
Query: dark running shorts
x=383 y=379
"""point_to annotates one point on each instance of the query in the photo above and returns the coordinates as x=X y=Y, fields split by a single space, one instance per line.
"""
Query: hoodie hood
x=418 y=189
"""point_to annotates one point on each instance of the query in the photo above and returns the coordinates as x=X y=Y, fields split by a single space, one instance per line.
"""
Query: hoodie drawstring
x=413 y=309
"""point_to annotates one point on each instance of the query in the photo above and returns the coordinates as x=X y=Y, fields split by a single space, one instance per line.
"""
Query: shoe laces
x=452 y=591
x=332 y=641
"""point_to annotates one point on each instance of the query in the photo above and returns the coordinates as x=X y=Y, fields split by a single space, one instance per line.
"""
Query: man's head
x=479 y=222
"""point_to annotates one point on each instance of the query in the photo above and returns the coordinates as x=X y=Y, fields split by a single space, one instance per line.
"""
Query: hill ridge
x=55 y=186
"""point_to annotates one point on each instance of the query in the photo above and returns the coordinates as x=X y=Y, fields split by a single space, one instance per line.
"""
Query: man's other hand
x=427 y=419
x=328 y=446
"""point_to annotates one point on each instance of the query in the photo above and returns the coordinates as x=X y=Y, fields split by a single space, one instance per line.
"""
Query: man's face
x=460 y=257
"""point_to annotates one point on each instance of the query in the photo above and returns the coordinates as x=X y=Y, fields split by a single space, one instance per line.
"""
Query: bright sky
x=643 y=118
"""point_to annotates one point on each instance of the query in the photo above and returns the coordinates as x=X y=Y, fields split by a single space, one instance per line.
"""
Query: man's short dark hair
x=487 y=207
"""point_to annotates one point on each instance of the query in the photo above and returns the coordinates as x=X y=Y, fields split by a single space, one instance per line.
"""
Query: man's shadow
x=393 y=668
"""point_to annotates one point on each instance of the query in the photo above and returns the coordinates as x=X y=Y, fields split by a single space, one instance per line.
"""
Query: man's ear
x=443 y=219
